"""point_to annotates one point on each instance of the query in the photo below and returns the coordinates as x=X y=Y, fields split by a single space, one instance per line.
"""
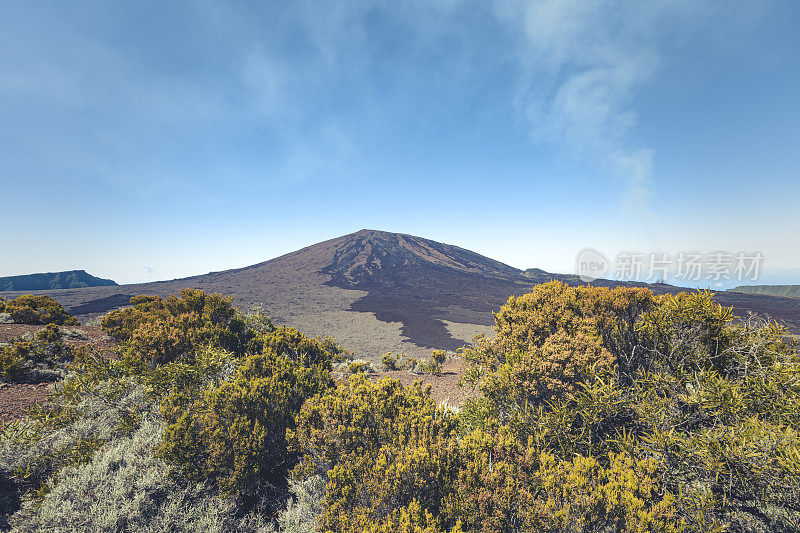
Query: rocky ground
x=445 y=389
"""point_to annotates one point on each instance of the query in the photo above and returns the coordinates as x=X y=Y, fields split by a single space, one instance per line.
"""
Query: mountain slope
x=375 y=291
x=787 y=291
x=71 y=279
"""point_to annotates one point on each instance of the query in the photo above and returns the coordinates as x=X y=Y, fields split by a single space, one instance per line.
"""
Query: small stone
x=74 y=334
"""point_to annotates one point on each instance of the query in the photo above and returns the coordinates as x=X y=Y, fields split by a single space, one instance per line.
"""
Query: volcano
x=375 y=291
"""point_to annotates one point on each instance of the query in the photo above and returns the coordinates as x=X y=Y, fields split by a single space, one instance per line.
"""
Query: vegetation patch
x=596 y=410
x=31 y=359
x=29 y=309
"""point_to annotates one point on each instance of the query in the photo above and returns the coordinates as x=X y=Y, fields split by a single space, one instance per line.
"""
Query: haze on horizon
x=151 y=140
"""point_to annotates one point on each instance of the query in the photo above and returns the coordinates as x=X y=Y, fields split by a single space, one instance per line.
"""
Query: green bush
x=546 y=344
x=120 y=324
x=618 y=375
x=305 y=350
x=410 y=364
x=47 y=349
x=392 y=443
x=155 y=331
x=389 y=362
x=505 y=485
x=29 y=309
x=433 y=364
x=688 y=332
x=360 y=366
x=234 y=434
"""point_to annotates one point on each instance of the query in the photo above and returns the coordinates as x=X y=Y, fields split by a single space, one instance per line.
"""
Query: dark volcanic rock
x=420 y=282
x=375 y=257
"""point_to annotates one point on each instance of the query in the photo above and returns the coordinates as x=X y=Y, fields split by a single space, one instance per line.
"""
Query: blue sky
x=150 y=140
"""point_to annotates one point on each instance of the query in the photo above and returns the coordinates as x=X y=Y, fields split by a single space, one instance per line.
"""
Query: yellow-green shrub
x=496 y=482
x=672 y=380
x=389 y=362
x=156 y=331
x=412 y=518
x=359 y=366
x=687 y=332
x=506 y=485
x=234 y=434
x=305 y=350
x=382 y=447
x=121 y=323
x=582 y=495
x=554 y=370
x=30 y=309
x=47 y=348
x=433 y=364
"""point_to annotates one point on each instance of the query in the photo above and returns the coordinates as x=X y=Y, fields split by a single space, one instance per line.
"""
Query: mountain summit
x=376 y=291
x=371 y=256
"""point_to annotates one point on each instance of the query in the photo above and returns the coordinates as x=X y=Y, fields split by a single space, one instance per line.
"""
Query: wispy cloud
x=582 y=64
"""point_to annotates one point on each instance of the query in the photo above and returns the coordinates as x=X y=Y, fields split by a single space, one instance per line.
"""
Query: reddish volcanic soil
x=73 y=335
x=17 y=398
x=444 y=388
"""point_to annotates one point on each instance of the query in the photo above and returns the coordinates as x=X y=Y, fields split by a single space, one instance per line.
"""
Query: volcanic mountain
x=374 y=291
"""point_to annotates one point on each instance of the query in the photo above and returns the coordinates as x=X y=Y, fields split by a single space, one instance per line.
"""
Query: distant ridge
x=787 y=291
x=70 y=279
x=376 y=291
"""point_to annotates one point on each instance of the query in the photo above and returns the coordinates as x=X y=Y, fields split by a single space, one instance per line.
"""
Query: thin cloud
x=582 y=64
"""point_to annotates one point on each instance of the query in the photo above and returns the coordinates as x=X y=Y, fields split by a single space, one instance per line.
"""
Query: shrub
x=546 y=344
x=357 y=366
x=120 y=324
x=412 y=518
x=389 y=362
x=687 y=332
x=410 y=364
x=505 y=485
x=393 y=442
x=23 y=357
x=526 y=322
x=305 y=350
x=496 y=482
x=234 y=434
x=432 y=365
x=617 y=377
x=554 y=370
x=306 y=502
x=582 y=495
x=64 y=432
x=156 y=331
x=29 y=309
x=125 y=488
